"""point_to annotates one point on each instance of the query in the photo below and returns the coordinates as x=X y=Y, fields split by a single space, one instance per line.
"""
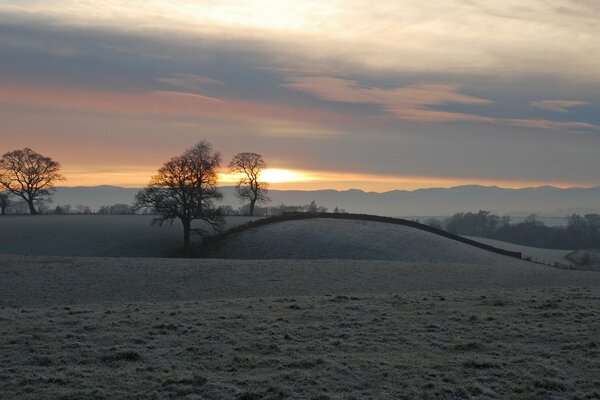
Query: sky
x=374 y=95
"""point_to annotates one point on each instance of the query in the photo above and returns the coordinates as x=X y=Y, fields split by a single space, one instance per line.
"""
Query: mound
x=324 y=238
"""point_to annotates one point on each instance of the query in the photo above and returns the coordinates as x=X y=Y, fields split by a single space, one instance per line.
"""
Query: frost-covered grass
x=351 y=239
x=463 y=323
x=546 y=256
x=522 y=343
x=93 y=235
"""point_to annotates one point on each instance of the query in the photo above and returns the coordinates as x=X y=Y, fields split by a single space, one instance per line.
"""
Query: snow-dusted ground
x=450 y=321
x=546 y=256
x=62 y=280
x=92 y=328
x=323 y=238
x=94 y=235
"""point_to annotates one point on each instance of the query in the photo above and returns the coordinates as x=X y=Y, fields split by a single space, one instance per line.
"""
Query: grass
x=215 y=240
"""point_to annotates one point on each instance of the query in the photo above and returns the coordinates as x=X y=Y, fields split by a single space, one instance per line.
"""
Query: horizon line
x=367 y=191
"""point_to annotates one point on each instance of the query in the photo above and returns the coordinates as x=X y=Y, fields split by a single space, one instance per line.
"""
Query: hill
x=340 y=238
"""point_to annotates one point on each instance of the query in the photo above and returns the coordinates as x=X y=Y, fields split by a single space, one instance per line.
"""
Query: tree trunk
x=187 y=227
x=31 y=207
x=252 y=203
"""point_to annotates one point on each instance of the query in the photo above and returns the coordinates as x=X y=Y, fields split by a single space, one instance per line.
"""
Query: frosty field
x=426 y=317
x=94 y=235
x=546 y=256
x=75 y=328
x=328 y=238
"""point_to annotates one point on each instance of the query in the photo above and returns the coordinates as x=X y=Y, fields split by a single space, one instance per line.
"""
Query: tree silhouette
x=250 y=188
x=184 y=188
x=29 y=175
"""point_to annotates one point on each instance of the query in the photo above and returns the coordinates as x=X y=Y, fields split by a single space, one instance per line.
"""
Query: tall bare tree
x=250 y=188
x=29 y=175
x=184 y=188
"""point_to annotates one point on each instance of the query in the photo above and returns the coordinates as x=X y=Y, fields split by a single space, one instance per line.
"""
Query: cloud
x=287 y=129
x=416 y=102
x=429 y=37
x=171 y=95
x=190 y=81
x=55 y=49
x=558 y=105
x=411 y=103
x=548 y=124
x=178 y=104
x=341 y=85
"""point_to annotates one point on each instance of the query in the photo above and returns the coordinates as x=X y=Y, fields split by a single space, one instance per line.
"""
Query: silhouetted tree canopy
x=29 y=175
x=184 y=188
x=482 y=223
x=117 y=209
x=581 y=232
x=250 y=188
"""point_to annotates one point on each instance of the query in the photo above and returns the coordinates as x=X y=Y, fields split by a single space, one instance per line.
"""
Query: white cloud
x=473 y=37
x=558 y=105
x=411 y=103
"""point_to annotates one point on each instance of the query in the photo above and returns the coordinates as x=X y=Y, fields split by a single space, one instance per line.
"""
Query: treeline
x=42 y=207
x=21 y=207
x=581 y=232
x=281 y=209
x=8 y=205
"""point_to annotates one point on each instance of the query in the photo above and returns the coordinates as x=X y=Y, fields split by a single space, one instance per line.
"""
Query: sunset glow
x=271 y=176
x=274 y=175
x=288 y=179
x=333 y=94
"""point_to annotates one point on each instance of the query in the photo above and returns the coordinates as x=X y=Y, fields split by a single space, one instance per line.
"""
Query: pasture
x=95 y=235
x=90 y=328
x=365 y=310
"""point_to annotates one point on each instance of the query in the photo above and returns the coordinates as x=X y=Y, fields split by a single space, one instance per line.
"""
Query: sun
x=277 y=175
x=271 y=175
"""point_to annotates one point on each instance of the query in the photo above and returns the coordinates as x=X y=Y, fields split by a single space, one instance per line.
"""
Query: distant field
x=93 y=235
x=546 y=256
x=548 y=221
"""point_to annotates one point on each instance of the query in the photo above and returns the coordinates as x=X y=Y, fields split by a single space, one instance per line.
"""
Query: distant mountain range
x=545 y=200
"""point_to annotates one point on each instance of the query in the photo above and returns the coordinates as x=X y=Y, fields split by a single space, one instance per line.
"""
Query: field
x=76 y=328
x=438 y=321
x=94 y=235
x=546 y=256
x=330 y=238
x=133 y=236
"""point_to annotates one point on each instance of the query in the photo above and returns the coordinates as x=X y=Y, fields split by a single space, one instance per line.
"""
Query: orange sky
x=289 y=179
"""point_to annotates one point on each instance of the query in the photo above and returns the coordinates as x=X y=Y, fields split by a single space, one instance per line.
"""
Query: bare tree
x=29 y=175
x=184 y=188
x=250 y=188
x=64 y=209
x=4 y=202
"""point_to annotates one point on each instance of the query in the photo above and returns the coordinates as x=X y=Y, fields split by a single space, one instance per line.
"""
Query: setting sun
x=272 y=175
x=276 y=175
